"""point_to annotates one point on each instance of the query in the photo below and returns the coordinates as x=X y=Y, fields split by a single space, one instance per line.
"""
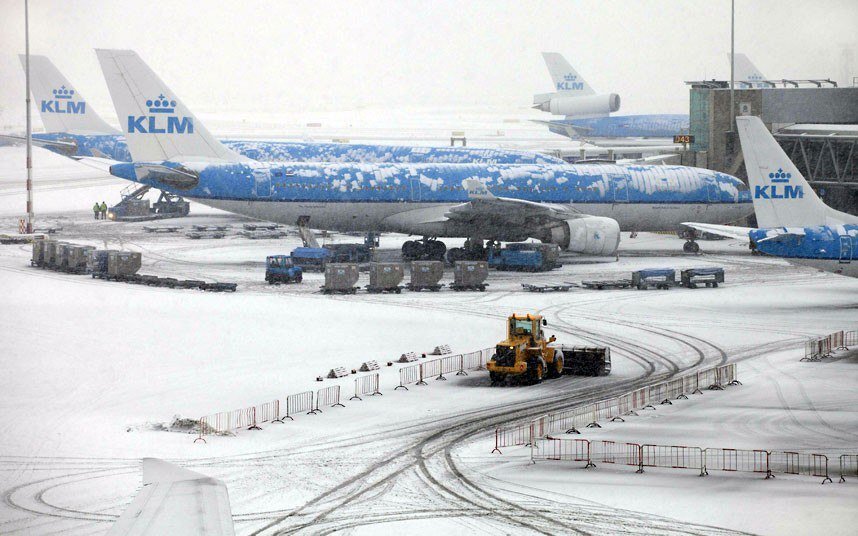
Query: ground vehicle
x=525 y=354
x=527 y=257
x=281 y=269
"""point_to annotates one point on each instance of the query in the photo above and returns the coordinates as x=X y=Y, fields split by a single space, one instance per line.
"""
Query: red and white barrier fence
x=822 y=347
x=589 y=415
x=703 y=460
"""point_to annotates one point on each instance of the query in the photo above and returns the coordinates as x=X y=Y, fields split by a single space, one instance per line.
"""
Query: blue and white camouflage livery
x=580 y=208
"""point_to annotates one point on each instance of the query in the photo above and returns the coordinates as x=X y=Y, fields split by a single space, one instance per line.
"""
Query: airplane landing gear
x=430 y=249
x=474 y=249
x=691 y=246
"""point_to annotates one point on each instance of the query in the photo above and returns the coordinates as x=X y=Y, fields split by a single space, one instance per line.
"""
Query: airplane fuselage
x=828 y=248
x=414 y=198
x=624 y=126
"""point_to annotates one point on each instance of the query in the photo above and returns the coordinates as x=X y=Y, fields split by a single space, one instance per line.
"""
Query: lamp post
x=29 y=124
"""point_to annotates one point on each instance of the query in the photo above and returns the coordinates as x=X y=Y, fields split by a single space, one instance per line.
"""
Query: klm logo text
x=160 y=107
x=63 y=107
x=774 y=192
x=570 y=83
x=144 y=124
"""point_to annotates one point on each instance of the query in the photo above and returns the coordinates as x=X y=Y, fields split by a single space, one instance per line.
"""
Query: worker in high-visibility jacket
x=96 y=210
x=103 y=210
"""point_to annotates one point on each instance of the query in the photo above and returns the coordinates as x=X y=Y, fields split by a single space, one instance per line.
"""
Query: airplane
x=580 y=208
x=588 y=114
x=74 y=129
x=174 y=500
x=793 y=222
x=746 y=74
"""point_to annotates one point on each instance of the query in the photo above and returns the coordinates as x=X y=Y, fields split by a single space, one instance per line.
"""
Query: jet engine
x=590 y=105
x=592 y=235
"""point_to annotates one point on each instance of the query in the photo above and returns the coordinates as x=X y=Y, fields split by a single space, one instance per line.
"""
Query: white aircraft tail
x=157 y=124
x=566 y=79
x=61 y=107
x=781 y=195
x=746 y=73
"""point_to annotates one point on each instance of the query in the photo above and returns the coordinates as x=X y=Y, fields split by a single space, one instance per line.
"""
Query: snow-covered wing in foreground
x=176 y=501
x=730 y=231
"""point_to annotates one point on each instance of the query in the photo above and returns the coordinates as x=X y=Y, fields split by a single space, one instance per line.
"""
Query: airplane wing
x=64 y=147
x=484 y=205
x=102 y=164
x=729 y=231
x=174 y=500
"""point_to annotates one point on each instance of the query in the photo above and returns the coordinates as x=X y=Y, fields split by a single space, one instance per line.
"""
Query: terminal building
x=815 y=122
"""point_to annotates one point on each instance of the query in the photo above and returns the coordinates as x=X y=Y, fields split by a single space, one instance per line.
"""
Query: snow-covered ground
x=88 y=367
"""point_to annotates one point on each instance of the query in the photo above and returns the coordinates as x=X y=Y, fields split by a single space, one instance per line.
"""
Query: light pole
x=29 y=124
x=732 y=63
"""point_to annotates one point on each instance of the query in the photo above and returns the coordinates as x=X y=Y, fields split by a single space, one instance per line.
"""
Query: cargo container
x=340 y=278
x=38 y=258
x=50 y=252
x=97 y=262
x=425 y=275
x=385 y=277
x=123 y=263
x=660 y=278
x=470 y=275
x=709 y=276
x=78 y=257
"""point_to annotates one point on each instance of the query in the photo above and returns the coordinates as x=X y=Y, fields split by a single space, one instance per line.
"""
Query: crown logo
x=780 y=176
x=570 y=77
x=63 y=93
x=161 y=105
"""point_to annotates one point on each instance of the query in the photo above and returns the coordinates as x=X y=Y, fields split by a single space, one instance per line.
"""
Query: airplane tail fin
x=746 y=73
x=61 y=107
x=782 y=197
x=157 y=124
x=566 y=79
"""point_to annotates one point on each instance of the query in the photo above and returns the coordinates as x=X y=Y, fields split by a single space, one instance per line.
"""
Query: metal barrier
x=575 y=450
x=848 y=466
x=569 y=421
x=672 y=457
x=409 y=375
x=250 y=418
x=328 y=396
x=736 y=460
x=616 y=453
x=822 y=347
x=366 y=385
x=797 y=463
x=686 y=457
x=299 y=402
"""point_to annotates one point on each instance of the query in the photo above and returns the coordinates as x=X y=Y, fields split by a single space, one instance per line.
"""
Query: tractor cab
x=281 y=269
